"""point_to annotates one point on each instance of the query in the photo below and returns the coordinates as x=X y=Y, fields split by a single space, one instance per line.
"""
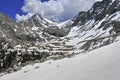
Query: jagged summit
x=99 y=11
x=97 y=27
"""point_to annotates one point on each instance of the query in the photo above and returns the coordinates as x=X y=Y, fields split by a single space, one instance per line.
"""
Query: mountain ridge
x=38 y=39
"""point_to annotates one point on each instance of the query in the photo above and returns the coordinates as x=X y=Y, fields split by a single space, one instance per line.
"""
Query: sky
x=58 y=10
x=11 y=7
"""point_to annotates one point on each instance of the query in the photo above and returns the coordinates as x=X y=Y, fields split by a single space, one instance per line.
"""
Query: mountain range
x=38 y=39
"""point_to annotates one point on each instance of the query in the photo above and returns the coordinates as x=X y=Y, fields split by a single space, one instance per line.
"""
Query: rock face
x=98 y=11
x=97 y=27
x=56 y=31
x=38 y=39
x=34 y=39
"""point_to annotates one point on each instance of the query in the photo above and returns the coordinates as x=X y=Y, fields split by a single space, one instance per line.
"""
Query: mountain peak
x=37 y=16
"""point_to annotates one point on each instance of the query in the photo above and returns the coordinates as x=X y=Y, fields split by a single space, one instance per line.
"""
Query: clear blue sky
x=12 y=7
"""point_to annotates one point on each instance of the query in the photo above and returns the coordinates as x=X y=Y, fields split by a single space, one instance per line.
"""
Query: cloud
x=54 y=9
x=23 y=17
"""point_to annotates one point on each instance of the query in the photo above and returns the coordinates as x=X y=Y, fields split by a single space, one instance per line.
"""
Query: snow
x=3 y=22
x=73 y=32
x=63 y=24
x=18 y=47
x=91 y=30
x=100 y=64
x=5 y=46
x=115 y=16
x=15 y=30
x=49 y=21
x=113 y=0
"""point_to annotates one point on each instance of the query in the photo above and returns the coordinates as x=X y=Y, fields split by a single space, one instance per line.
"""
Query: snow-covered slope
x=97 y=27
x=100 y=64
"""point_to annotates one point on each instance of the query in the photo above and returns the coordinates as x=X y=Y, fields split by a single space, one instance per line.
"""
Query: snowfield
x=100 y=64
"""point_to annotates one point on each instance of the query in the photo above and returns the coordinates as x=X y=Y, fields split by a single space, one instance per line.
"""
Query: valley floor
x=100 y=64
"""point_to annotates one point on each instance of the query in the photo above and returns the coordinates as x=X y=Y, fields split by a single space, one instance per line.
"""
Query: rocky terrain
x=38 y=39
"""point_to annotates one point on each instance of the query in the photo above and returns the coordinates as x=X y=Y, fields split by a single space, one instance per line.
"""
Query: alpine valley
x=91 y=38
